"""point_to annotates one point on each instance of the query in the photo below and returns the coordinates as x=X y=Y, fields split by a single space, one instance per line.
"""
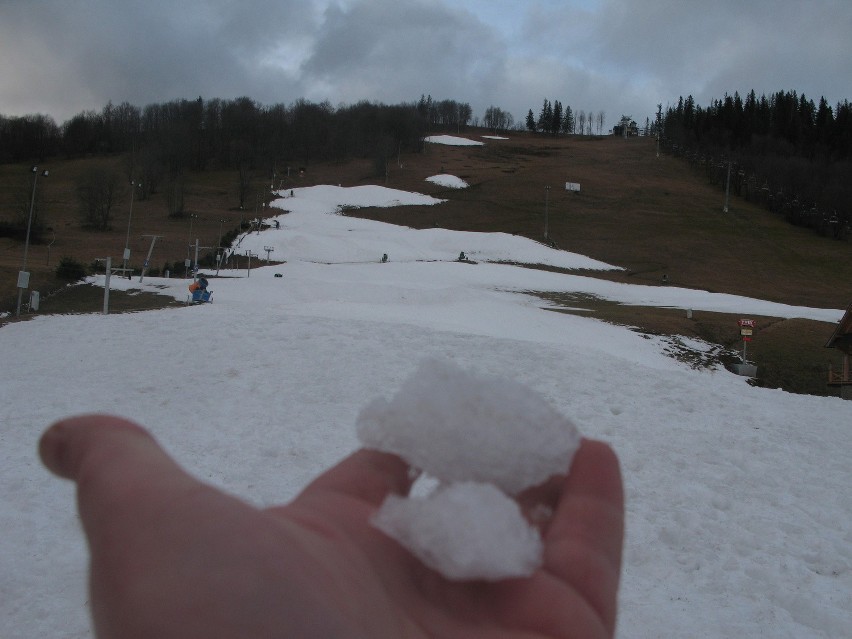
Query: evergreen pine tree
x=556 y=119
x=568 y=121
x=545 y=116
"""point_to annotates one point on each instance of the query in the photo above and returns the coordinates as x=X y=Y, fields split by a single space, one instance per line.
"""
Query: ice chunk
x=461 y=426
x=466 y=530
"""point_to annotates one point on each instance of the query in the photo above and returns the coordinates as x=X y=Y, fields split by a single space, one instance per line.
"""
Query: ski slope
x=738 y=502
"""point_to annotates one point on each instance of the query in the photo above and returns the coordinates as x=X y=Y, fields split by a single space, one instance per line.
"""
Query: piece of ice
x=461 y=426
x=467 y=530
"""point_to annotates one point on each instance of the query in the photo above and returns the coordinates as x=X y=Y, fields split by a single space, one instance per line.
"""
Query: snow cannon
x=199 y=291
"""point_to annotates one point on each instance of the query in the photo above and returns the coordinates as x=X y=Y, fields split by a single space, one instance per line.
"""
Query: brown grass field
x=650 y=215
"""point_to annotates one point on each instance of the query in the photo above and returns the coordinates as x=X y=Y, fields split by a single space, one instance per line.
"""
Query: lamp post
x=546 y=202
x=219 y=248
x=133 y=186
x=23 y=275
x=192 y=217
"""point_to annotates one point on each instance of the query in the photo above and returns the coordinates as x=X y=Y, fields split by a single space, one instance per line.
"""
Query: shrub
x=70 y=270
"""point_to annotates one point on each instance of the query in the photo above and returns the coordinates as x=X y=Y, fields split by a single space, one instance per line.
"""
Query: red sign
x=746 y=338
x=746 y=322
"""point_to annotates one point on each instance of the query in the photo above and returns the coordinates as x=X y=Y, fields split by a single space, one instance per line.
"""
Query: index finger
x=583 y=544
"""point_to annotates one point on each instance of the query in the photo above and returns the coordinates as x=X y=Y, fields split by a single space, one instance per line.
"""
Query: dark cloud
x=63 y=56
x=78 y=55
x=393 y=50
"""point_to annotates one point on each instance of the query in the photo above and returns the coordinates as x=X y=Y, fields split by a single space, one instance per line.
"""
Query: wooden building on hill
x=841 y=339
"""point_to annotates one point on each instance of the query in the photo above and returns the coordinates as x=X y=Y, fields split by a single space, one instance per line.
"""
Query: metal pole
x=195 y=267
x=127 y=238
x=727 y=188
x=546 y=202
x=23 y=276
x=148 y=259
x=106 y=285
x=192 y=217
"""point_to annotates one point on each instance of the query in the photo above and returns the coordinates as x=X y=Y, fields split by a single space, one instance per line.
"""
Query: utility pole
x=107 y=274
x=546 y=203
x=249 y=256
x=188 y=261
x=147 y=263
x=23 y=275
x=727 y=188
x=127 y=237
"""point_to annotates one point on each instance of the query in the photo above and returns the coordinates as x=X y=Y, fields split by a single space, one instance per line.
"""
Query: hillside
x=651 y=216
x=725 y=484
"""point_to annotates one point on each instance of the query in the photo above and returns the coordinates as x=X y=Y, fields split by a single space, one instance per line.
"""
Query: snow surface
x=738 y=501
x=453 y=140
x=450 y=181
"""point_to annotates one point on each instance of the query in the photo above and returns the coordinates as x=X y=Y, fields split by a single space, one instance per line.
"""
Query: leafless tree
x=98 y=189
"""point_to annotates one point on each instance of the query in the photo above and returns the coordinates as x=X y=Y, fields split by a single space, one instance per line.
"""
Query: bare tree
x=174 y=196
x=581 y=121
x=601 y=120
x=98 y=190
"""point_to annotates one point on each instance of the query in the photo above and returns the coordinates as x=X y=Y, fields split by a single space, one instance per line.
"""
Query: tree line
x=197 y=134
x=163 y=141
x=785 y=151
x=554 y=119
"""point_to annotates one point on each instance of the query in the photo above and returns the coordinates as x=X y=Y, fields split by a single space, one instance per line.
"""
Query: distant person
x=172 y=557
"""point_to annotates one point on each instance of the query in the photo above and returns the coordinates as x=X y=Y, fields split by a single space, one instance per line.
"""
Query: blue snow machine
x=199 y=291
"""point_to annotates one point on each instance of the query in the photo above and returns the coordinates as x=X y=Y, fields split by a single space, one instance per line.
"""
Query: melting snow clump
x=460 y=426
x=449 y=181
x=483 y=438
x=494 y=541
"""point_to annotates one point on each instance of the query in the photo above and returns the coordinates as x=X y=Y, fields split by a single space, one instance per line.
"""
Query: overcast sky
x=60 y=57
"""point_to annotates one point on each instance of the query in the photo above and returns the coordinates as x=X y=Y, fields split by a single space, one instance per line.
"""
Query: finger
x=539 y=502
x=115 y=463
x=65 y=445
x=368 y=475
x=584 y=540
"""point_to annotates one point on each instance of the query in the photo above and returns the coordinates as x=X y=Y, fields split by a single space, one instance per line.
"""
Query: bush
x=70 y=270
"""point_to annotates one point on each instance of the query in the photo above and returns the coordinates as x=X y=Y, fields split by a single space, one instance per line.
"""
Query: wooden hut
x=841 y=339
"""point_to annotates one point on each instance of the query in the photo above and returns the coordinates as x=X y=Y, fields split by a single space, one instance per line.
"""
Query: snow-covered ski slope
x=738 y=498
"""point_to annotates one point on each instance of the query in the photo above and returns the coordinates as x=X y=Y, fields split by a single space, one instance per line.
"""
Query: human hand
x=173 y=557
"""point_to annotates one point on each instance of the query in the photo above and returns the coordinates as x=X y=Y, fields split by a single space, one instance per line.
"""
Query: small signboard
x=746 y=322
x=572 y=186
x=746 y=331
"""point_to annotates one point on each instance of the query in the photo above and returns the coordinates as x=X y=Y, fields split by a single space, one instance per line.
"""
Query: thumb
x=67 y=448
x=115 y=463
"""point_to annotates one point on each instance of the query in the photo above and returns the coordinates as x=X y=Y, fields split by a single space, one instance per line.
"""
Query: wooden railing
x=837 y=378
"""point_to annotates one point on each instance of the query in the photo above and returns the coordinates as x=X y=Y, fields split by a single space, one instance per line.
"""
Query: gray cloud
x=63 y=56
x=398 y=50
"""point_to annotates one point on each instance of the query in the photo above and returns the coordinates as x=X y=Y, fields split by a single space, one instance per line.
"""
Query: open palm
x=172 y=557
